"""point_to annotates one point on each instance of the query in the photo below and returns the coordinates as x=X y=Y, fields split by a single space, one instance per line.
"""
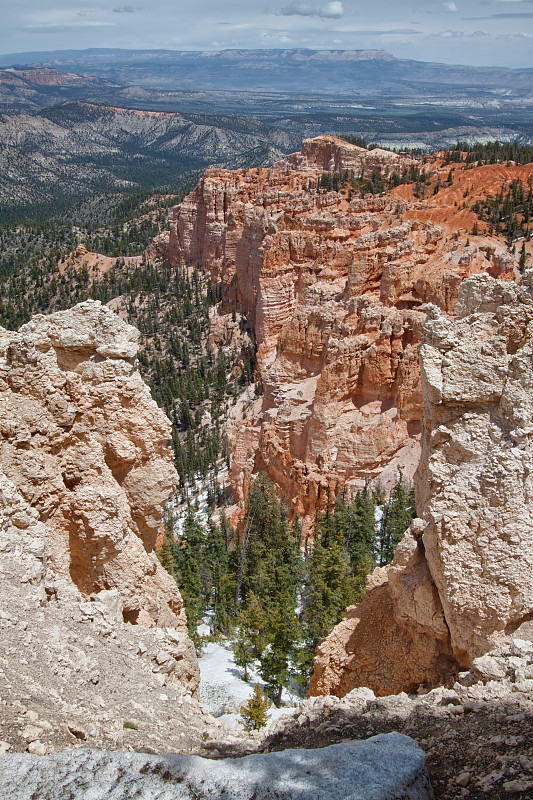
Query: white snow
x=222 y=688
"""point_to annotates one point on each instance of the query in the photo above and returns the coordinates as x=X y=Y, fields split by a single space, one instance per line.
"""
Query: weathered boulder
x=461 y=582
x=386 y=767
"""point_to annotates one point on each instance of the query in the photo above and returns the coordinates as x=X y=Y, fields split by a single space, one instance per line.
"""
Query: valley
x=265 y=388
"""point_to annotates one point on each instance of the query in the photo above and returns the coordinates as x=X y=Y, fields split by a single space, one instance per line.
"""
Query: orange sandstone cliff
x=334 y=288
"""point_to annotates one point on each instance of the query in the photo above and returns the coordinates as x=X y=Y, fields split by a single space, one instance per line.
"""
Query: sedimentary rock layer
x=461 y=579
x=333 y=287
x=331 y=154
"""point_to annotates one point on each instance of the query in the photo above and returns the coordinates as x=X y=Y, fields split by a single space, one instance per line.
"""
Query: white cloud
x=333 y=10
x=450 y=7
x=460 y=34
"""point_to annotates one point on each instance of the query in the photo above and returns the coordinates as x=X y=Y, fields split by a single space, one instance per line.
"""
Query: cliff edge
x=461 y=580
x=84 y=451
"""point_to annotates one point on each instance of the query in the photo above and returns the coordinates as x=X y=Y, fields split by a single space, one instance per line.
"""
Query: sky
x=478 y=32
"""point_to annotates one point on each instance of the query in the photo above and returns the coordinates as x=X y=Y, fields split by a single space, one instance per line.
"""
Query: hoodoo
x=85 y=448
x=334 y=287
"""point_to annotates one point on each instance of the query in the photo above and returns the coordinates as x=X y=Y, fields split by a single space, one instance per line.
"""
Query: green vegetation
x=489 y=153
x=254 y=714
x=279 y=601
x=374 y=183
x=171 y=307
x=509 y=212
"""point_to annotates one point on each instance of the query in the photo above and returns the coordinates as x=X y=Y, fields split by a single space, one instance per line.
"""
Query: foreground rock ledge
x=385 y=767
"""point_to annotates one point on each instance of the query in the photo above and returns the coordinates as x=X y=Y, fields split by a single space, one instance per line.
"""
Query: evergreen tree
x=188 y=564
x=397 y=514
x=270 y=562
x=329 y=589
x=167 y=551
x=279 y=657
x=254 y=714
x=360 y=534
x=217 y=582
x=250 y=640
x=523 y=257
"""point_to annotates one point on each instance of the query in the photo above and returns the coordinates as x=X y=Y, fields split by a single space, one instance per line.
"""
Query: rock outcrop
x=331 y=154
x=87 y=449
x=71 y=671
x=478 y=735
x=461 y=579
x=333 y=288
x=85 y=469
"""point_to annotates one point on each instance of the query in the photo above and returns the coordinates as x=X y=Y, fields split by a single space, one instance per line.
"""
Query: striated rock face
x=86 y=447
x=461 y=581
x=334 y=290
x=331 y=154
x=72 y=669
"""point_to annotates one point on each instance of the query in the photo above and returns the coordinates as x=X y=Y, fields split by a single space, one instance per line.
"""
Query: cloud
x=448 y=7
x=508 y=15
x=459 y=35
x=124 y=10
x=60 y=27
x=333 y=10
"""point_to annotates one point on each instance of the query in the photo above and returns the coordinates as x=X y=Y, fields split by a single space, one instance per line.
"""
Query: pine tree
x=254 y=714
x=329 y=589
x=217 y=582
x=270 y=562
x=523 y=257
x=166 y=553
x=278 y=658
x=397 y=514
x=360 y=536
x=250 y=640
x=188 y=562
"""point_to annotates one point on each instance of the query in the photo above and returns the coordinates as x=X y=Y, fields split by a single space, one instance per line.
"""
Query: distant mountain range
x=353 y=72
x=79 y=148
x=78 y=122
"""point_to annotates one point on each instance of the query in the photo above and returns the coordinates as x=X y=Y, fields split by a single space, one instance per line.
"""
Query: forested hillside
x=44 y=267
x=276 y=595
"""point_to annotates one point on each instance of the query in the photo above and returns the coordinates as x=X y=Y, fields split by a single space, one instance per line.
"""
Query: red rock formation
x=87 y=447
x=334 y=290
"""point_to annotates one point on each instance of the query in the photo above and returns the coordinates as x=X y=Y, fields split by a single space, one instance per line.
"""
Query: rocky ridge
x=86 y=469
x=331 y=154
x=95 y=650
x=460 y=582
x=334 y=289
